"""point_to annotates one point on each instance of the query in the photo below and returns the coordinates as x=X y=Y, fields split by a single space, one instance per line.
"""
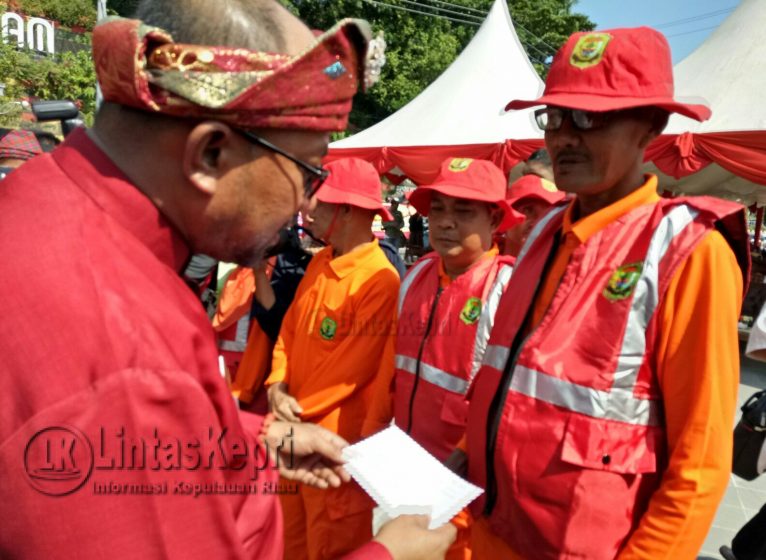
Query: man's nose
x=445 y=221
x=567 y=136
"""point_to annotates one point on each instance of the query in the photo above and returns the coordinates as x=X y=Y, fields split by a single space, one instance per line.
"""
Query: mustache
x=571 y=155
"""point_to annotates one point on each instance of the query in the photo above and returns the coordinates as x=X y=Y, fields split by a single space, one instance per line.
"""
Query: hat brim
x=332 y=196
x=549 y=197
x=420 y=198
x=511 y=217
x=590 y=102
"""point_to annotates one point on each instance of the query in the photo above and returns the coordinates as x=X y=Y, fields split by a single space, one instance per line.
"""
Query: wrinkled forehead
x=447 y=200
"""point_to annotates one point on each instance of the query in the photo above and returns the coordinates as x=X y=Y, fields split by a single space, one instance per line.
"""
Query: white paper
x=403 y=478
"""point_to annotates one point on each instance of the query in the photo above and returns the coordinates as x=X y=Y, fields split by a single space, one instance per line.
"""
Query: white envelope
x=403 y=478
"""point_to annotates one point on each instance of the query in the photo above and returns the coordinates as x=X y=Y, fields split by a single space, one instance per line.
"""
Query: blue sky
x=684 y=36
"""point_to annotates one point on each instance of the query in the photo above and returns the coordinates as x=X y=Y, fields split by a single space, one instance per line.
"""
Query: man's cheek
x=527 y=226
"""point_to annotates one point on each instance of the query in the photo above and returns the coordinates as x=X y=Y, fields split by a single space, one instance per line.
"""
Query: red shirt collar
x=99 y=178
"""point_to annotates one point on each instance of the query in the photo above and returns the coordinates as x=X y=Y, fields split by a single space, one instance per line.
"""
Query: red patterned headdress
x=141 y=67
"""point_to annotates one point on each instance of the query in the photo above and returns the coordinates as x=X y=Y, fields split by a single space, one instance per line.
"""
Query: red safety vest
x=232 y=342
x=442 y=335
x=565 y=428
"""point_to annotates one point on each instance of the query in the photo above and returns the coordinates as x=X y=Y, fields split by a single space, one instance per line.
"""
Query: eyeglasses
x=313 y=177
x=551 y=118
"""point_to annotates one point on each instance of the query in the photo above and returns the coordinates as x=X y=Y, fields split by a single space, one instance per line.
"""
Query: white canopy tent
x=463 y=108
x=729 y=72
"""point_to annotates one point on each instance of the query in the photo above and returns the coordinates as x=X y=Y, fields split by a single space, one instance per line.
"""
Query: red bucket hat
x=532 y=186
x=353 y=181
x=470 y=179
x=610 y=70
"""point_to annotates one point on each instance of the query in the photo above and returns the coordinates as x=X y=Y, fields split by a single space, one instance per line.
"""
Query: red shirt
x=103 y=342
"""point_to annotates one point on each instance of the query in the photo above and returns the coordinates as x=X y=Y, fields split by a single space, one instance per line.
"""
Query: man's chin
x=252 y=262
x=253 y=258
x=574 y=185
x=449 y=251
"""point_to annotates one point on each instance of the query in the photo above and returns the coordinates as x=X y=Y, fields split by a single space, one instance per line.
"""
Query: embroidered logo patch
x=548 y=186
x=589 y=50
x=471 y=311
x=458 y=165
x=328 y=328
x=623 y=281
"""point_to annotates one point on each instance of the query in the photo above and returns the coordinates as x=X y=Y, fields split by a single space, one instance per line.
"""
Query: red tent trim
x=421 y=163
x=677 y=155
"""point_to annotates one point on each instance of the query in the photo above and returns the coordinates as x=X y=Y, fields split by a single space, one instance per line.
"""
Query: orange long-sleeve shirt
x=336 y=334
x=698 y=371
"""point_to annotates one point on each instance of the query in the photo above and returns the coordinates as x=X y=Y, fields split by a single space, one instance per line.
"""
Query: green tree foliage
x=68 y=13
x=421 y=47
x=69 y=75
x=124 y=8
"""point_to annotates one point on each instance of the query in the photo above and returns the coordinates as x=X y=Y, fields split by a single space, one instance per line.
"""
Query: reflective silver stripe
x=612 y=405
x=488 y=316
x=496 y=356
x=409 y=279
x=240 y=341
x=433 y=375
x=609 y=405
x=536 y=231
x=646 y=297
x=232 y=345
x=619 y=403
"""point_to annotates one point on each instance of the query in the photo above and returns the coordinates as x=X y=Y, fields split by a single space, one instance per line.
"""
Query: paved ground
x=743 y=499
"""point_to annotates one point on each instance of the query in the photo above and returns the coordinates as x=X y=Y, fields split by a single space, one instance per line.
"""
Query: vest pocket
x=606 y=445
x=454 y=409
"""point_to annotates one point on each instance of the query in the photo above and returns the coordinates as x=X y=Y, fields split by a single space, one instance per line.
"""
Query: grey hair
x=250 y=24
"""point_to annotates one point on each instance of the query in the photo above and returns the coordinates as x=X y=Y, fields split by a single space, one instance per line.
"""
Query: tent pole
x=758 y=225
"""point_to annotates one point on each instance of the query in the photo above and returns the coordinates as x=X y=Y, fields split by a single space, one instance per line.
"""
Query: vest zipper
x=495 y=413
x=429 y=324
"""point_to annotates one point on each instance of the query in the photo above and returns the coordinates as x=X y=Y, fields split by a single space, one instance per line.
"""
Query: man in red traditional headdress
x=118 y=436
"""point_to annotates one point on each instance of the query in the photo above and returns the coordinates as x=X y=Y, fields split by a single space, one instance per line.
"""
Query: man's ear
x=496 y=213
x=648 y=137
x=209 y=153
x=659 y=120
